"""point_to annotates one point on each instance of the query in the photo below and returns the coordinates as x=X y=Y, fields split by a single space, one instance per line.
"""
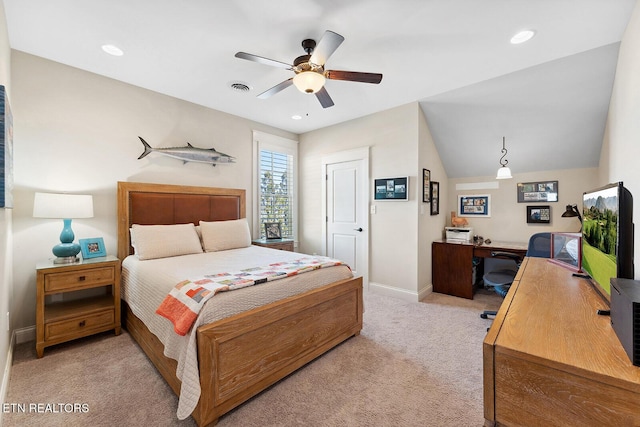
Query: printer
x=461 y=234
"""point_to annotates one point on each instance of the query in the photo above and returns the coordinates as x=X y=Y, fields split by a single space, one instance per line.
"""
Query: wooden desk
x=549 y=359
x=452 y=264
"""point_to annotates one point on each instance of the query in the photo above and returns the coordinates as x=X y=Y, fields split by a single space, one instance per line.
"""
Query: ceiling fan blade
x=326 y=46
x=261 y=60
x=277 y=88
x=353 y=76
x=324 y=98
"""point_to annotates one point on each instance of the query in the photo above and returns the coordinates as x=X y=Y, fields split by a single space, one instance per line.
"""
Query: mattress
x=146 y=283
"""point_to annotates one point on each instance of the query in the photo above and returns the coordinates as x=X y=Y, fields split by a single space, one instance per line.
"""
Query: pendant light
x=504 y=172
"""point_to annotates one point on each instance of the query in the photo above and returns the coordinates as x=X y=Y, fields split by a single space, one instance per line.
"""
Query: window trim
x=265 y=141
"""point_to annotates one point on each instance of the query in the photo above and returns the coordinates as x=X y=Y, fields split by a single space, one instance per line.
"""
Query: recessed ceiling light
x=523 y=36
x=296 y=117
x=112 y=50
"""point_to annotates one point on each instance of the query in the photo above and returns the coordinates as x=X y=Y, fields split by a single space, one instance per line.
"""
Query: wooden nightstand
x=77 y=315
x=282 y=244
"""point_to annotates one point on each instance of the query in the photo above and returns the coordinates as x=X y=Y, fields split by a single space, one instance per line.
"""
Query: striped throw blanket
x=182 y=305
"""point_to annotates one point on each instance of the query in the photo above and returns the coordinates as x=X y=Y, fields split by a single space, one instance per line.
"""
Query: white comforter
x=146 y=283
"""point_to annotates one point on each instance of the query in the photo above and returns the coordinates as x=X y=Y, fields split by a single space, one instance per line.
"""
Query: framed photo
x=566 y=250
x=392 y=188
x=6 y=151
x=435 y=197
x=538 y=214
x=272 y=230
x=92 y=248
x=426 y=186
x=479 y=205
x=542 y=191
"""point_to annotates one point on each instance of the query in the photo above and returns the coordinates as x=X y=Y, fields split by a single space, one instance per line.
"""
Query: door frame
x=355 y=154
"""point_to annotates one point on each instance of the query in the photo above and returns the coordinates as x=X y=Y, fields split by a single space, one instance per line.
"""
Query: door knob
x=358 y=229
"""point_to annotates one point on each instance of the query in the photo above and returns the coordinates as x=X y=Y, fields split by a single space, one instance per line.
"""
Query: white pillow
x=162 y=241
x=223 y=235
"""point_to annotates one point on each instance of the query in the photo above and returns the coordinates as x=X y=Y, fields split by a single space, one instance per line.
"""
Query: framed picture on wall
x=392 y=188
x=477 y=205
x=542 y=191
x=426 y=187
x=6 y=151
x=435 y=197
x=538 y=214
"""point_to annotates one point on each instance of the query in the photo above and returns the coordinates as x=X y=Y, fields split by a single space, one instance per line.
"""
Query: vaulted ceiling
x=549 y=96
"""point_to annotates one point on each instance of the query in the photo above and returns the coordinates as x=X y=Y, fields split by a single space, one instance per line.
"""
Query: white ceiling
x=549 y=97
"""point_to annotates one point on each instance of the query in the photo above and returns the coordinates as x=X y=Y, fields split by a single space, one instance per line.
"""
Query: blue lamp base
x=66 y=251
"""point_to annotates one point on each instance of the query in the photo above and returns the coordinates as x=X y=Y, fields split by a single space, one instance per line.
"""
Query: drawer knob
x=82 y=324
x=82 y=278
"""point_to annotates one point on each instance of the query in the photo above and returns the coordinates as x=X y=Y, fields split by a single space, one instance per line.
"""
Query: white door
x=346 y=214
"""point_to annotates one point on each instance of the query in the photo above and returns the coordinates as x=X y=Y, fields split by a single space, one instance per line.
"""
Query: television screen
x=607 y=234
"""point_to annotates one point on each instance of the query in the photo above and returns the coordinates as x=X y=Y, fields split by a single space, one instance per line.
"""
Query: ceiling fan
x=309 y=69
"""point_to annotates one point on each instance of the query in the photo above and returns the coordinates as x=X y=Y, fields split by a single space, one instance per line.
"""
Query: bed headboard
x=148 y=204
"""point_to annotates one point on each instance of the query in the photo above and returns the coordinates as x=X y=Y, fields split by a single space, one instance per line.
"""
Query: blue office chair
x=501 y=279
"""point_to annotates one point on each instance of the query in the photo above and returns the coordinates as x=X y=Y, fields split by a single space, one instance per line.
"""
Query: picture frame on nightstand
x=93 y=247
x=272 y=230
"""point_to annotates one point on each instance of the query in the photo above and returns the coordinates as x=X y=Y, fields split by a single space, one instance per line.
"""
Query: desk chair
x=501 y=279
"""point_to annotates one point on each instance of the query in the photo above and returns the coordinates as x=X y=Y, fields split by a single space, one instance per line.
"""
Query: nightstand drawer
x=75 y=326
x=57 y=282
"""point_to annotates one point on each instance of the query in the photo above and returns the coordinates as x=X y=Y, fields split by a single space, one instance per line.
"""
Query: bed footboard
x=242 y=355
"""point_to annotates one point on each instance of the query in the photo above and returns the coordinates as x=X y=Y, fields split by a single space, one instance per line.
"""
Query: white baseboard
x=390 y=291
x=403 y=294
x=424 y=292
x=25 y=334
x=4 y=388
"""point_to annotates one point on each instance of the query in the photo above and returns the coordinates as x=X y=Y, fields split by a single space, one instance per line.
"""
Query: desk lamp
x=65 y=207
x=572 y=211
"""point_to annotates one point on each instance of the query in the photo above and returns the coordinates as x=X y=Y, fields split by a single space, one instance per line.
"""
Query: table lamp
x=65 y=207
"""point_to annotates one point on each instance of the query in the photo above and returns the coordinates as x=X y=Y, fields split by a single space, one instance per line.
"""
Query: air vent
x=240 y=86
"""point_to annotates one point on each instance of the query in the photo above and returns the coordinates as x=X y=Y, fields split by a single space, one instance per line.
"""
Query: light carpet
x=414 y=364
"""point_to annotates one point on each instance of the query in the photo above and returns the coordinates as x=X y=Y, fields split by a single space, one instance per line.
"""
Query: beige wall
x=508 y=217
x=401 y=233
x=78 y=132
x=6 y=258
x=400 y=145
x=621 y=151
x=429 y=226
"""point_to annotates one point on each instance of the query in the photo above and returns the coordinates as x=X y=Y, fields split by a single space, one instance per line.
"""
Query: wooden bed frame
x=240 y=356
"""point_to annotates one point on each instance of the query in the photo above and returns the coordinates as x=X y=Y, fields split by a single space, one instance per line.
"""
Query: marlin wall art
x=189 y=153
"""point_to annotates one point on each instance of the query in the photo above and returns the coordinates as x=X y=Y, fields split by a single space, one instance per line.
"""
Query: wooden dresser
x=550 y=359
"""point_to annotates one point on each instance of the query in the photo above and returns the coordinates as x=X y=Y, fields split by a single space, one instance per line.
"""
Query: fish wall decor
x=189 y=153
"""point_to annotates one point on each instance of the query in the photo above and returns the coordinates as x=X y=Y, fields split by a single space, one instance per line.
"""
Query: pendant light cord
x=504 y=162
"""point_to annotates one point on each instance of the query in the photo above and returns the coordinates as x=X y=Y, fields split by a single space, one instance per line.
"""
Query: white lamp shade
x=504 y=173
x=64 y=206
x=309 y=81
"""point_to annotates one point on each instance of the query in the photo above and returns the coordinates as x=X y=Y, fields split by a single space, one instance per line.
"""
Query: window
x=276 y=184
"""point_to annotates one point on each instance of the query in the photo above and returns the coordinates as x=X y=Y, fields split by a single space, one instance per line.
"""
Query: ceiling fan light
x=309 y=81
